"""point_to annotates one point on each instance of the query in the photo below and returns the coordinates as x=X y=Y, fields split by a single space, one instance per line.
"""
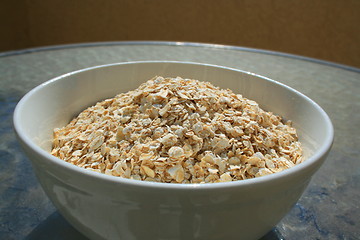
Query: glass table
x=329 y=208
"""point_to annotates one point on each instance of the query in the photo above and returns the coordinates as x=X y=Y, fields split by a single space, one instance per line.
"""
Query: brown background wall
x=324 y=29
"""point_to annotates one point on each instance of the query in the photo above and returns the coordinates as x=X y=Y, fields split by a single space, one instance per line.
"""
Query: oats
x=177 y=173
x=178 y=130
x=169 y=140
x=120 y=133
x=263 y=172
x=209 y=158
x=253 y=160
x=213 y=171
x=176 y=153
x=233 y=167
x=234 y=161
x=145 y=157
x=148 y=171
x=225 y=177
x=76 y=153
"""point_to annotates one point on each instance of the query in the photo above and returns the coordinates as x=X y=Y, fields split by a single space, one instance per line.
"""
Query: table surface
x=330 y=206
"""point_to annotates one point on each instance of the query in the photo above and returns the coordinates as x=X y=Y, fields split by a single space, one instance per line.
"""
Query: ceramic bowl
x=107 y=207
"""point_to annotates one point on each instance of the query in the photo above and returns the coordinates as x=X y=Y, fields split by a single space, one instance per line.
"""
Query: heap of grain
x=177 y=130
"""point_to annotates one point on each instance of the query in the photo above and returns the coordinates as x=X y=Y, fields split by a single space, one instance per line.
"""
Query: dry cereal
x=177 y=130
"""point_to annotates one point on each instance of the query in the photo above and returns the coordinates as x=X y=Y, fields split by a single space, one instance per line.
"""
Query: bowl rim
x=275 y=177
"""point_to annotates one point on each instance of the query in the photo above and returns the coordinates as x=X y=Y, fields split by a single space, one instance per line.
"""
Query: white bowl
x=106 y=207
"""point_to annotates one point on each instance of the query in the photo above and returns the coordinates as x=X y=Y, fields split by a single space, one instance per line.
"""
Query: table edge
x=173 y=43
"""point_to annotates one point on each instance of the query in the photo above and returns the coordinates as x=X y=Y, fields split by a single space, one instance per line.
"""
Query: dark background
x=323 y=29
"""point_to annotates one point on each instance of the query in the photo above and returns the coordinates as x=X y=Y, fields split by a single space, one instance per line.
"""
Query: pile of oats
x=178 y=130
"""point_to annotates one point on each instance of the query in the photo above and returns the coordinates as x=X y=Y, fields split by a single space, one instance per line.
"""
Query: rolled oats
x=179 y=130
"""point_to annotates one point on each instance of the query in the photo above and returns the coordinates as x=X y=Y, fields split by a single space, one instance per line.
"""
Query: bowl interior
x=54 y=103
